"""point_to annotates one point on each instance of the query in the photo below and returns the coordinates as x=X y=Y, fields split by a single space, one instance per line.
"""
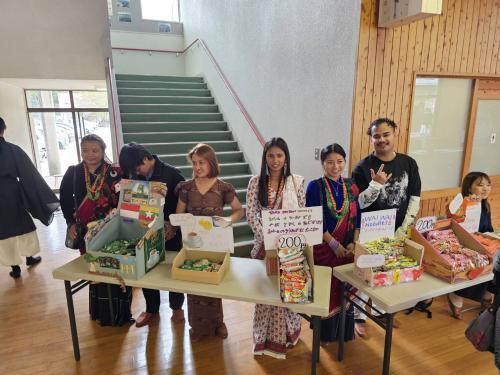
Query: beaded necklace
x=278 y=192
x=332 y=205
x=94 y=190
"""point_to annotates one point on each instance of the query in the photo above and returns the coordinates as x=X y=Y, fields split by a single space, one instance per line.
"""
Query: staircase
x=169 y=115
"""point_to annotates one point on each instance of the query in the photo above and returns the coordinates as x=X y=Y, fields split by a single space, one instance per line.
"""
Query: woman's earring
x=267 y=170
x=286 y=168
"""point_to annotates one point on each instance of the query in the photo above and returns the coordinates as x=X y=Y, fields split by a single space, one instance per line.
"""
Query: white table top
x=246 y=280
x=405 y=295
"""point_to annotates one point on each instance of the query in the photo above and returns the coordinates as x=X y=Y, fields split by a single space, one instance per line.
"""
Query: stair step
x=162 y=92
x=152 y=99
x=169 y=108
x=161 y=85
x=178 y=136
x=243 y=249
x=247 y=239
x=223 y=157
x=141 y=127
x=241 y=194
x=168 y=117
x=185 y=147
x=227 y=169
x=138 y=77
x=242 y=229
x=238 y=181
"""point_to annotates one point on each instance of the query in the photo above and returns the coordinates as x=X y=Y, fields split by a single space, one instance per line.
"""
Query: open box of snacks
x=451 y=253
x=489 y=241
x=207 y=267
x=400 y=261
x=288 y=239
x=130 y=242
x=207 y=244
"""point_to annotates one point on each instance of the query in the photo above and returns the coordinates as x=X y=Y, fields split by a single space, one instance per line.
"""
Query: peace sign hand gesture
x=381 y=177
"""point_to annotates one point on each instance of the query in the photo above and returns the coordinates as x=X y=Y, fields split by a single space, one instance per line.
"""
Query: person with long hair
x=274 y=327
x=91 y=184
x=206 y=195
x=476 y=186
x=339 y=198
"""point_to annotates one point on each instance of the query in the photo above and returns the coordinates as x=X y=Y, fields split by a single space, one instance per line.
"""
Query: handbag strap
x=74 y=196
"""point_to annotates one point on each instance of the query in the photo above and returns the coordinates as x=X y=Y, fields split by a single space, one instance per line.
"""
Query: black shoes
x=31 y=261
x=16 y=272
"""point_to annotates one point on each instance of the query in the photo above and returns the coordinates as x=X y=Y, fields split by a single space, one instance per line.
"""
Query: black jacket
x=23 y=191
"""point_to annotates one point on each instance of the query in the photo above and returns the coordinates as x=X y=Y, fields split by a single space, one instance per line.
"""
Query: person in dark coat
x=23 y=191
x=89 y=194
x=139 y=164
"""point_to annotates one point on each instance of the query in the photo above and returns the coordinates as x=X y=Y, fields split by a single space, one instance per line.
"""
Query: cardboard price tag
x=368 y=261
x=425 y=224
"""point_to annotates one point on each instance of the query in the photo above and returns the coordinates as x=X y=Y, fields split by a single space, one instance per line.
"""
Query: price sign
x=425 y=224
x=292 y=241
x=372 y=260
x=301 y=225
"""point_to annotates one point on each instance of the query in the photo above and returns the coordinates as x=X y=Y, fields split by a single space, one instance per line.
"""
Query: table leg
x=341 y=334
x=316 y=323
x=388 y=343
x=72 y=321
x=110 y=302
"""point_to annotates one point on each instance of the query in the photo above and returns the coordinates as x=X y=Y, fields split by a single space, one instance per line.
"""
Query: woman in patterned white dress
x=274 y=328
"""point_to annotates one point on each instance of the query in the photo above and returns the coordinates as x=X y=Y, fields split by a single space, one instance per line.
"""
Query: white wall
x=154 y=63
x=292 y=63
x=54 y=39
x=13 y=111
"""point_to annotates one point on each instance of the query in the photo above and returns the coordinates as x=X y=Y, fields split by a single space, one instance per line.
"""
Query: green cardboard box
x=139 y=217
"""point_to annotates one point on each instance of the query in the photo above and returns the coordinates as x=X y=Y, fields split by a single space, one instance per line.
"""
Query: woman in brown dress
x=206 y=195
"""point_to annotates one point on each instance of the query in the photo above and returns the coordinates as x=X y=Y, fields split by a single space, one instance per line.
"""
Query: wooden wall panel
x=464 y=40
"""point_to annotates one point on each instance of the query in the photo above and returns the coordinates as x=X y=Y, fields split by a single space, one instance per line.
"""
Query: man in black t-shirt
x=388 y=179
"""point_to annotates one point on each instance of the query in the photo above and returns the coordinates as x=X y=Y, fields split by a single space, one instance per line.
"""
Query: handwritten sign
x=370 y=260
x=472 y=217
x=180 y=220
x=425 y=224
x=377 y=224
x=307 y=222
x=203 y=233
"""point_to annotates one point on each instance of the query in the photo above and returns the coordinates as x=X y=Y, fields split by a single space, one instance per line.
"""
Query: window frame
x=476 y=95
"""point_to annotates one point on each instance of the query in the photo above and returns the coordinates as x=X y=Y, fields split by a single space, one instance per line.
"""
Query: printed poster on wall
x=377 y=224
x=307 y=222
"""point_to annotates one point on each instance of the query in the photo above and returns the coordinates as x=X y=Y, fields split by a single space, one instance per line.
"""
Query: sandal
x=456 y=312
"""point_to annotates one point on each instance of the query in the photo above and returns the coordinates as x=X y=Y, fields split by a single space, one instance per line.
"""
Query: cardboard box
x=200 y=276
x=273 y=256
x=139 y=216
x=436 y=265
x=392 y=277
x=203 y=237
